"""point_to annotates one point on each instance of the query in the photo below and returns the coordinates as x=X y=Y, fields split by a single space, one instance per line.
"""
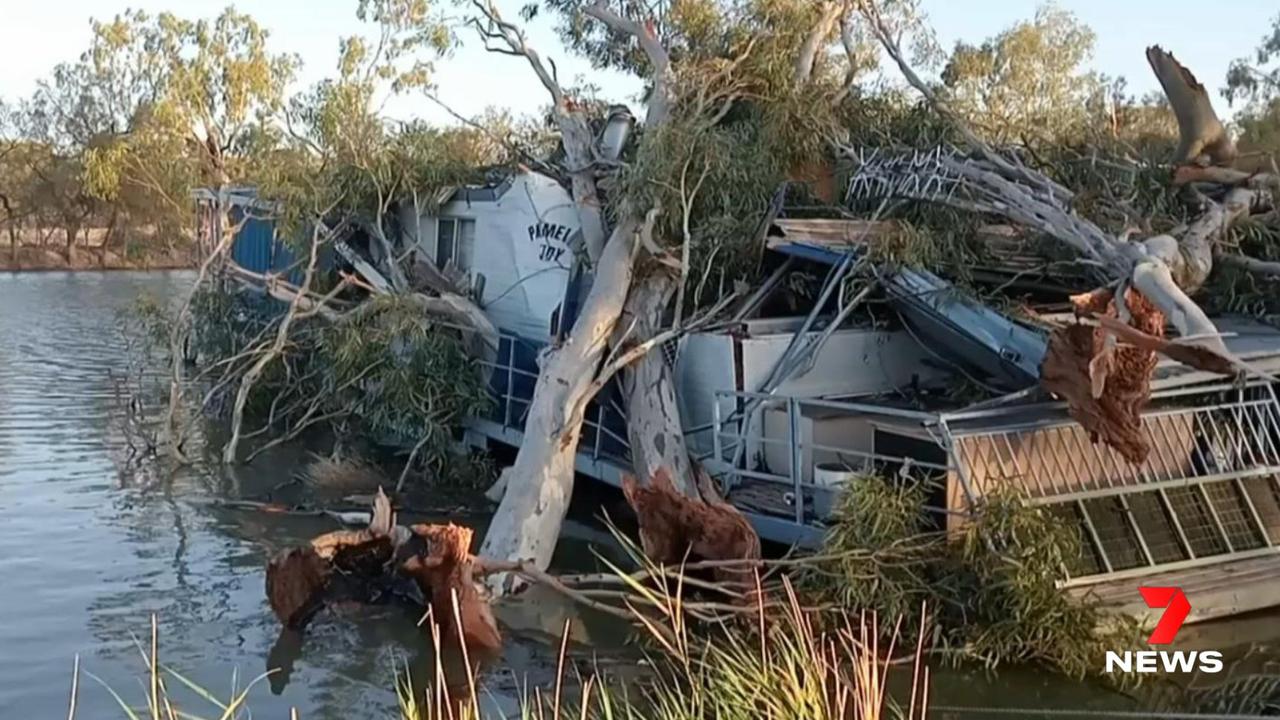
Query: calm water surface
x=86 y=555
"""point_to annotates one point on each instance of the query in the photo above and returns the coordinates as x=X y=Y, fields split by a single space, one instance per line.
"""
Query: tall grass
x=159 y=703
x=800 y=664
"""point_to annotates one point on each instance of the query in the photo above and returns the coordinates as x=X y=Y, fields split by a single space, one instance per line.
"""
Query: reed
x=798 y=664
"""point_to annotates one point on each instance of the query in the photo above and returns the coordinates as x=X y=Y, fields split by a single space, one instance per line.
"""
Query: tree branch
x=1268 y=268
x=881 y=31
x=660 y=97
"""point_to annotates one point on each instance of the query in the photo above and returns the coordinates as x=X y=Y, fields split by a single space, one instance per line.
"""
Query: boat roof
x=1008 y=350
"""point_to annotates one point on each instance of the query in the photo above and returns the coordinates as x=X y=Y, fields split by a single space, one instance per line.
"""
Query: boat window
x=455 y=242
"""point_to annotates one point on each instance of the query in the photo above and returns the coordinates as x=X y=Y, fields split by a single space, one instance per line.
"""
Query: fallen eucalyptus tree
x=1143 y=283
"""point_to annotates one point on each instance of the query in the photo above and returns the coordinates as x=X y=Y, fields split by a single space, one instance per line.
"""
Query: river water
x=88 y=555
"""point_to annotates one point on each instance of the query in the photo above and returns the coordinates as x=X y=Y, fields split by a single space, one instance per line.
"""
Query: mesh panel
x=1117 y=538
x=1234 y=515
x=1196 y=521
x=1153 y=522
x=1262 y=491
x=1088 y=563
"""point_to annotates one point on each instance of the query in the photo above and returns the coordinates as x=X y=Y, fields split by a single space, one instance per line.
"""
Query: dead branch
x=251 y=376
x=177 y=334
x=1015 y=172
x=1269 y=268
x=575 y=132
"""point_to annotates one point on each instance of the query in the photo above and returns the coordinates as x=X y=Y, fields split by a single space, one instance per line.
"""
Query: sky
x=36 y=35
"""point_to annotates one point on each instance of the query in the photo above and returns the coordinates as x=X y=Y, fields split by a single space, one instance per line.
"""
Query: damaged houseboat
x=790 y=397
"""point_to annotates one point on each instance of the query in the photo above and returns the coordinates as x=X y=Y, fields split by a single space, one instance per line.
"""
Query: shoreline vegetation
x=799 y=665
x=39 y=260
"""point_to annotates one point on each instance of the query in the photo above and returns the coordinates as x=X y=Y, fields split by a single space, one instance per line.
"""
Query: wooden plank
x=1215 y=591
x=827 y=232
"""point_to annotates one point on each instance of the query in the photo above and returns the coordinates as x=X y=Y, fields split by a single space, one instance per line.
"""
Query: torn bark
x=655 y=431
x=675 y=528
x=1071 y=366
x=446 y=576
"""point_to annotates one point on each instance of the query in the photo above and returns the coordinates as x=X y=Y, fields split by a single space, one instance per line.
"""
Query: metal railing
x=749 y=451
x=513 y=374
x=1208 y=491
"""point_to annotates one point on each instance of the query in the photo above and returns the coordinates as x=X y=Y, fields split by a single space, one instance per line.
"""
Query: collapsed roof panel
x=945 y=320
x=982 y=341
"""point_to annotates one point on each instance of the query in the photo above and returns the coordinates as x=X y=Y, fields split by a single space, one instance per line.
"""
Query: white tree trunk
x=655 y=432
x=537 y=487
x=540 y=482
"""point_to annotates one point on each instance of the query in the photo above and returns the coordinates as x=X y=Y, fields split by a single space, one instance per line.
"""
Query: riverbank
x=36 y=259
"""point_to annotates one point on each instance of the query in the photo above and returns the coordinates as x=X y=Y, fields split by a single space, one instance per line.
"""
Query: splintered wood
x=368 y=565
x=675 y=528
x=446 y=575
x=1106 y=385
x=300 y=580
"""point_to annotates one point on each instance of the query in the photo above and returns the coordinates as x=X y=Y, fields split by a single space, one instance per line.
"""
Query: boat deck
x=1232 y=587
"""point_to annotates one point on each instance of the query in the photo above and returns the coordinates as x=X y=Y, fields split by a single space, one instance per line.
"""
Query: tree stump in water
x=446 y=575
x=340 y=565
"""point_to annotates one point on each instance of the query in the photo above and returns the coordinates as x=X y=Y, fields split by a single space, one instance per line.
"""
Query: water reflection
x=87 y=554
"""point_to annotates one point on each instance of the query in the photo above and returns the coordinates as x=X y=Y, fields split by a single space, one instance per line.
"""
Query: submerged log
x=675 y=528
x=344 y=564
x=446 y=575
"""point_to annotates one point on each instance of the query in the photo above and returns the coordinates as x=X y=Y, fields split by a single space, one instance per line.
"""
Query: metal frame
x=510 y=416
x=1208 y=448
x=744 y=425
x=1233 y=441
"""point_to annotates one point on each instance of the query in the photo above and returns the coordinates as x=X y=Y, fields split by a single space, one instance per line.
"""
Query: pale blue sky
x=35 y=35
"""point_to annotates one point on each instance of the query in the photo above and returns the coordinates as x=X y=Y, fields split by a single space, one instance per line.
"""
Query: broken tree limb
x=1114 y=415
x=1269 y=268
x=446 y=576
x=1163 y=270
x=1014 y=171
x=1203 y=139
x=676 y=528
x=1191 y=355
x=301 y=580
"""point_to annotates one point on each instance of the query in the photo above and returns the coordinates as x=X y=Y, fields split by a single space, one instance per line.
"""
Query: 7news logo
x=1176 y=608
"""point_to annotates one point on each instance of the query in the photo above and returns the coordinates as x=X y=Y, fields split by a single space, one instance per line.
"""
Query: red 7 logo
x=1176 y=606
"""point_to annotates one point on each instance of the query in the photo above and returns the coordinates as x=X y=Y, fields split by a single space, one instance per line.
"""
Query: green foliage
x=991 y=590
x=404 y=376
x=396 y=374
x=1026 y=85
x=1255 y=82
x=723 y=177
x=1232 y=289
x=1256 y=79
